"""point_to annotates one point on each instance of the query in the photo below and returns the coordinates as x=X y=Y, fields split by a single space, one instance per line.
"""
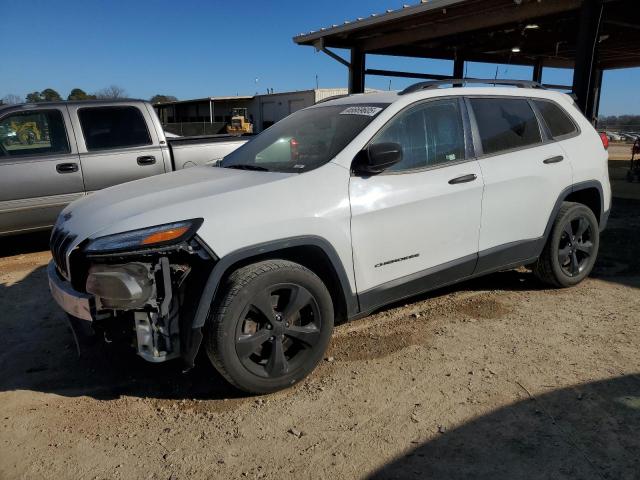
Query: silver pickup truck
x=53 y=153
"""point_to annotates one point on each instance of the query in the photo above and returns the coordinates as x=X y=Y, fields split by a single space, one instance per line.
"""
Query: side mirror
x=377 y=157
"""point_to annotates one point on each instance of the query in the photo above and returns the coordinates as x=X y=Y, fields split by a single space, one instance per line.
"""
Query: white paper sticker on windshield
x=363 y=110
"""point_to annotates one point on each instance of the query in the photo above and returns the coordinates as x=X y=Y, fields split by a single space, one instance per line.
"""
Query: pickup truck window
x=113 y=127
x=305 y=139
x=40 y=132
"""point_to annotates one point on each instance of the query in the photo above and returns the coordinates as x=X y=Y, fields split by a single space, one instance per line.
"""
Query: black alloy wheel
x=279 y=330
x=576 y=246
x=270 y=326
x=572 y=247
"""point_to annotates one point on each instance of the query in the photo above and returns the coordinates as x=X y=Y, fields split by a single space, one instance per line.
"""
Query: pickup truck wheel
x=571 y=250
x=271 y=326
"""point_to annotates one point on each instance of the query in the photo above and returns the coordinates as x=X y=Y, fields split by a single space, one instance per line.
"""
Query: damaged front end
x=144 y=287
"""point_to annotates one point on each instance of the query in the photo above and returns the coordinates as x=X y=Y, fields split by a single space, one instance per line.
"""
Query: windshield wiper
x=248 y=166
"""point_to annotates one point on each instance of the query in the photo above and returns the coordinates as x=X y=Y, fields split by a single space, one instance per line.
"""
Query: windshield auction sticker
x=363 y=110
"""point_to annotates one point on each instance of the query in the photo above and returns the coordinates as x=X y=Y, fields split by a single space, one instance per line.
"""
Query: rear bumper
x=79 y=305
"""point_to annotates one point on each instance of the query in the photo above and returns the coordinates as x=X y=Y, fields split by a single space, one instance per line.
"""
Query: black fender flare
x=576 y=187
x=225 y=263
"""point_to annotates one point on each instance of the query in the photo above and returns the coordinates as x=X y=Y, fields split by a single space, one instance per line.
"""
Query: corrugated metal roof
x=206 y=99
x=373 y=19
x=319 y=93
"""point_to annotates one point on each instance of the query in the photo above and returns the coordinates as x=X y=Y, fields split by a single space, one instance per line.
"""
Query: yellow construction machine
x=239 y=123
x=27 y=132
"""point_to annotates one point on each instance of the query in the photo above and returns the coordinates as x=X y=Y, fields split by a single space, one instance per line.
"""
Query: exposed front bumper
x=79 y=305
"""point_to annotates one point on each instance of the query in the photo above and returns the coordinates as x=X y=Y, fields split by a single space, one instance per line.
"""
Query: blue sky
x=195 y=49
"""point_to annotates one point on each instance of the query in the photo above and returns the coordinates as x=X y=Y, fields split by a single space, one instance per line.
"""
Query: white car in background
x=330 y=214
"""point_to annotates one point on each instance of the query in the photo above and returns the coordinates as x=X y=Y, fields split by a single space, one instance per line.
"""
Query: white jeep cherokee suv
x=330 y=214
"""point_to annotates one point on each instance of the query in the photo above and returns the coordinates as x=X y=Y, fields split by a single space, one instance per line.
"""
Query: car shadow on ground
x=587 y=431
x=25 y=243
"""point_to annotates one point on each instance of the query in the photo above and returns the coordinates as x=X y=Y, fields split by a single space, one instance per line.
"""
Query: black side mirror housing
x=377 y=157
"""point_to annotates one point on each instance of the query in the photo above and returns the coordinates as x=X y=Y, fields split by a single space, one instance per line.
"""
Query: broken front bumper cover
x=125 y=286
x=76 y=304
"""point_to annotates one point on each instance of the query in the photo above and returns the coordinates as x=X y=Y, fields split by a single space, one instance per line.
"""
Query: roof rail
x=463 y=81
x=332 y=97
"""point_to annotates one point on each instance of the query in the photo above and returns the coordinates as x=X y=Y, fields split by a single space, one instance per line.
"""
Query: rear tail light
x=293 y=143
x=605 y=140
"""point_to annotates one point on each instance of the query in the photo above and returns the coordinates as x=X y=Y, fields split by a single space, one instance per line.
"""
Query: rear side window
x=40 y=132
x=557 y=120
x=505 y=124
x=113 y=127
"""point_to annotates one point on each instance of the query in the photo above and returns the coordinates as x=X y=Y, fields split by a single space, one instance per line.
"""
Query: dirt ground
x=494 y=378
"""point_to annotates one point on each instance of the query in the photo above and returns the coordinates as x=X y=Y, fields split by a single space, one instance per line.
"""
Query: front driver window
x=430 y=134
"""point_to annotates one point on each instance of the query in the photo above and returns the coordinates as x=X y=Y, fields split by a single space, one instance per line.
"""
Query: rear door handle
x=556 y=159
x=146 y=160
x=67 y=167
x=463 y=179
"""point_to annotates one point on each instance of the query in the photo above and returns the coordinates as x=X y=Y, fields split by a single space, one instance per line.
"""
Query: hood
x=156 y=200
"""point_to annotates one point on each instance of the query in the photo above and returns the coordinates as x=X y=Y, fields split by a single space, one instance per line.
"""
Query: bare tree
x=12 y=99
x=112 y=91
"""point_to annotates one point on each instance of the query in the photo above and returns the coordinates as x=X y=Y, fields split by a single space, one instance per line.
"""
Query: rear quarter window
x=557 y=120
x=113 y=127
x=505 y=124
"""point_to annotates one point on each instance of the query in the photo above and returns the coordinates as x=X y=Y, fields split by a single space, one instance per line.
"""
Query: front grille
x=59 y=244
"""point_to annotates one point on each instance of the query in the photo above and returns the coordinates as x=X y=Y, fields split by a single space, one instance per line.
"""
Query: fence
x=603 y=124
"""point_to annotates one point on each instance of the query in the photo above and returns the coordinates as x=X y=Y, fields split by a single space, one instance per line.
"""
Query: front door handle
x=556 y=159
x=67 y=167
x=146 y=160
x=463 y=179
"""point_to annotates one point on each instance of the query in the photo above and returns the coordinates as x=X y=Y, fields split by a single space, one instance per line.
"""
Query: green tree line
x=50 y=95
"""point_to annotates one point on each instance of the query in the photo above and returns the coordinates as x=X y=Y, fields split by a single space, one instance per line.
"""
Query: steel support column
x=537 y=71
x=458 y=69
x=594 y=97
x=356 y=71
x=586 y=53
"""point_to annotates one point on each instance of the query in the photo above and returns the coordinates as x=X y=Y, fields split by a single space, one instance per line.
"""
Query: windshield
x=305 y=139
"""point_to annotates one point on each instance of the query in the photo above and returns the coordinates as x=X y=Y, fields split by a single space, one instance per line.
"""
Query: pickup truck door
x=40 y=171
x=117 y=143
x=416 y=226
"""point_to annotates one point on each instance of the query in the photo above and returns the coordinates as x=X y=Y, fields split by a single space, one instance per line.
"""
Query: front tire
x=271 y=326
x=572 y=247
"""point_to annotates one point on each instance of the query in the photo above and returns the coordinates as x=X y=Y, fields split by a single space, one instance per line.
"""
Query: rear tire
x=270 y=327
x=571 y=250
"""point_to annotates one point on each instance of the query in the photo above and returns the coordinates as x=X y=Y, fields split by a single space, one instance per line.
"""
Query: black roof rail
x=463 y=81
x=332 y=97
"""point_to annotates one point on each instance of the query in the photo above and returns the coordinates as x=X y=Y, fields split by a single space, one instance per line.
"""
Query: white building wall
x=271 y=108
x=274 y=107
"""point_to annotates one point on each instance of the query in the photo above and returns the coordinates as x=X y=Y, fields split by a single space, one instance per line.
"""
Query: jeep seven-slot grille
x=60 y=241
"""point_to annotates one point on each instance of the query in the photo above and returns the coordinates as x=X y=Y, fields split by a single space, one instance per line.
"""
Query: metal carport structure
x=589 y=36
